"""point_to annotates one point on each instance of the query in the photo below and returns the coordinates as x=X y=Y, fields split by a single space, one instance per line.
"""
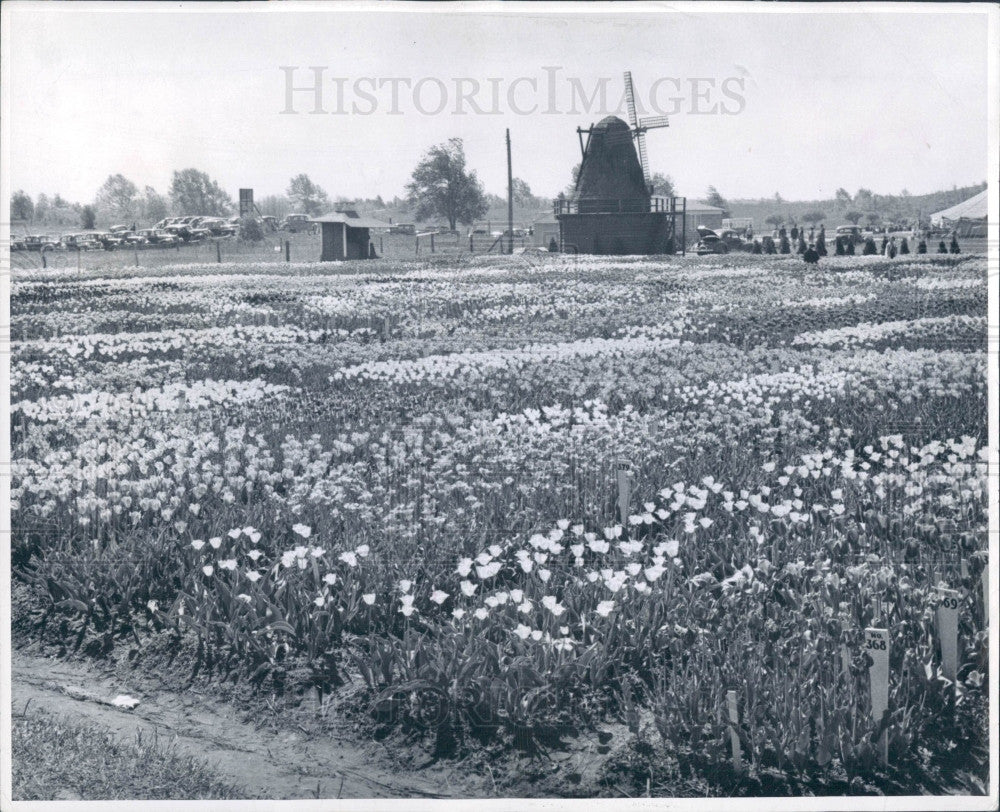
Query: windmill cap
x=610 y=122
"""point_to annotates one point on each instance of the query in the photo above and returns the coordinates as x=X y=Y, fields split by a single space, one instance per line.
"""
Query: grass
x=304 y=247
x=61 y=760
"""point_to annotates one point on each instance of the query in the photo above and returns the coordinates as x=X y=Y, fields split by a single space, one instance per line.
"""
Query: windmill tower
x=611 y=210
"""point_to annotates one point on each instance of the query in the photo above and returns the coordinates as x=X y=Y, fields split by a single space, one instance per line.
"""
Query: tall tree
x=154 y=205
x=88 y=216
x=117 y=199
x=813 y=217
x=774 y=220
x=853 y=216
x=42 y=207
x=442 y=186
x=21 y=206
x=663 y=185
x=275 y=205
x=522 y=193
x=194 y=192
x=842 y=197
x=717 y=200
x=307 y=197
x=864 y=200
x=568 y=191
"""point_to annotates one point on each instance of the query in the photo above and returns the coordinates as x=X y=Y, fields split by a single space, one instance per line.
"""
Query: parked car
x=18 y=244
x=186 y=232
x=40 y=242
x=296 y=223
x=270 y=222
x=132 y=239
x=218 y=227
x=733 y=239
x=80 y=241
x=160 y=237
x=108 y=241
x=166 y=238
x=710 y=242
x=403 y=228
x=119 y=229
x=851 y=232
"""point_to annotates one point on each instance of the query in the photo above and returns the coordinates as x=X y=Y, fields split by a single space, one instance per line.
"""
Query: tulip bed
x=405 y=476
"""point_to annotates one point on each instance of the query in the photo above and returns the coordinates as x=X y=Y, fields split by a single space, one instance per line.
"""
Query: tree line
x=441 y=186
x=864 y=207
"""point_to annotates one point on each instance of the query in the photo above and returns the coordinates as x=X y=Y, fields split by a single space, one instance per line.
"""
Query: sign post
x=947 y=629
x=734 y=720
x=877 y=648
x=624 y=492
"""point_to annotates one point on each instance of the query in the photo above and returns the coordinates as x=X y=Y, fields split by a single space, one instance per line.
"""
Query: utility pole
x=510 y=200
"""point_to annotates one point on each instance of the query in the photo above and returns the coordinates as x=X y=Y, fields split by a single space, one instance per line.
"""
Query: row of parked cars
x=167 y=233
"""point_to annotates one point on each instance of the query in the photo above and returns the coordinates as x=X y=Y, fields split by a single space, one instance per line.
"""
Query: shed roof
x=694 y=205
x=354 y=221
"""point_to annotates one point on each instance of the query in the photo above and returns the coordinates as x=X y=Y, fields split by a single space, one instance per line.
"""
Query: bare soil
x=263 y=762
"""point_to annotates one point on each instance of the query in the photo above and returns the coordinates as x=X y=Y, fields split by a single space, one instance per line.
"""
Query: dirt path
x=263 y=763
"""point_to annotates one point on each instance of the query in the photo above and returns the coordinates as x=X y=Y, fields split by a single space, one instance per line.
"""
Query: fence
x=280 y=247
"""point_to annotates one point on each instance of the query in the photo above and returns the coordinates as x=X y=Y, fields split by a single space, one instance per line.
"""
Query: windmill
x=612 y=209
x=636 y=131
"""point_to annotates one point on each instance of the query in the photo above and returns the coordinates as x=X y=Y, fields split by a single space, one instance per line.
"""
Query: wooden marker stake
x=947 y=630
x=877 y=647
x=734 y=720
x=624 y=493
x=845 y=662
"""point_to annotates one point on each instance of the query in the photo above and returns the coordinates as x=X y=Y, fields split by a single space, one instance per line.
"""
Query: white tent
x=972 y=209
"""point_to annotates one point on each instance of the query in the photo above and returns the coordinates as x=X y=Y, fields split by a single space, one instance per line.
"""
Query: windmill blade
x=653 y=122
x=640 y=140
x=630 y=100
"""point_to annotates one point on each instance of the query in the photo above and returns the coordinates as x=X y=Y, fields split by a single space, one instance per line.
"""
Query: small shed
x=544 y=230
x=346 y=235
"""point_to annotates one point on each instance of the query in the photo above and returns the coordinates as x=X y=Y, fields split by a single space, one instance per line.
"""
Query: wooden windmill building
x=612 y=210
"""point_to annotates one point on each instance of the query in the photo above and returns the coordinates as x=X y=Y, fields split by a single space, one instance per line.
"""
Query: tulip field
x=495 y=504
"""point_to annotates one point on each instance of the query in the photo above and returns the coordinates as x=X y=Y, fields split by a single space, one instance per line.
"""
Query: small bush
x=251 y=229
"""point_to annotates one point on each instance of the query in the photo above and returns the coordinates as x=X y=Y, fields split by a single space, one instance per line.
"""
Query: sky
x=758 y=103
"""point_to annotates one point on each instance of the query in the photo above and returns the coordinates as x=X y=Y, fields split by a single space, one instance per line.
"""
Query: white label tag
x=877 y=647
x=947 y=629
x=624 y=492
